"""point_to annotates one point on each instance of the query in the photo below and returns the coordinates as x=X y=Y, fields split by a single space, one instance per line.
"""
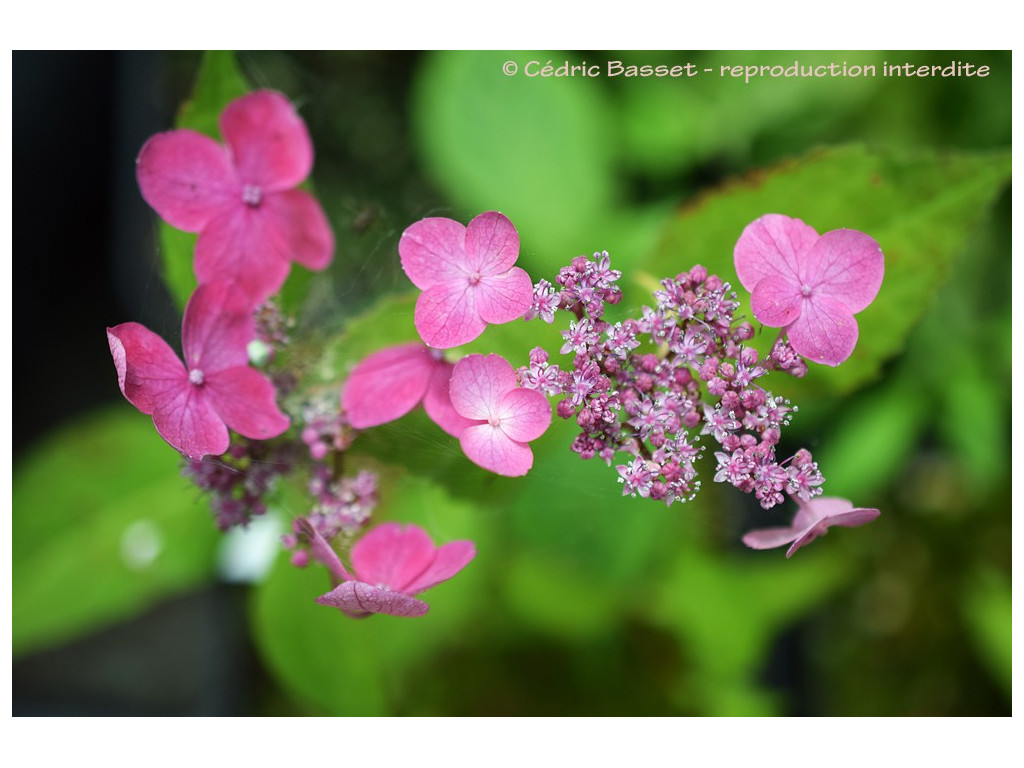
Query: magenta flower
x=392 y=563
x=466 y=275
x=812 y=286
x=194 y=404
x=504 y=417
x=390 y=383
x=241 y=198
x=812 y=520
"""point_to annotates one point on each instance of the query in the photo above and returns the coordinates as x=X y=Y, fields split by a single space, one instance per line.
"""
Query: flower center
x=252 y=195
x=494 y=421
x=196 y=377
x=474 y=278
x=805 y=291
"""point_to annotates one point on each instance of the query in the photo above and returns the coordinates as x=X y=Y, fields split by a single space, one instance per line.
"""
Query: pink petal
x=268 y=140
x=849 y=519
x=393 y=556
x=446 y=315
x=298 y=228
x=505 y=297
x=819 y=508
x=525 y=414
x=438 y=401
x=847 y=265
x=775 y=301
x=490 y=448
x=187 y=178
x=191 y=425
x=770 y=246
x=324 y=552
x=148 y=372
x=492 y=244
x=478 y=383
x=217 y=327
x=451 y=558
x=433 y=251
x=387 y=385
x=246 y=401
x=235 y=247
x=769 y=538
x=359 y=600
x=825 y=332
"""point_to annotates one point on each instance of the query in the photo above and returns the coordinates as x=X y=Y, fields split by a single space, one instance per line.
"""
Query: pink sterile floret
x=504 y=417
x=194 y=404
x=810 y=285
x=812 y=520
x=390 y=383
x=392 y=563
x=466 y=275
x=241 y=198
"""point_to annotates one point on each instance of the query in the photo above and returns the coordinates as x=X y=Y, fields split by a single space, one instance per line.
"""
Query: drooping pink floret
x=810 y=285
x=390 y=383
x=466 y=275
x=391 y=564
x=241 y=198
x=193 y=405
x=812 y=520
x=504 y=417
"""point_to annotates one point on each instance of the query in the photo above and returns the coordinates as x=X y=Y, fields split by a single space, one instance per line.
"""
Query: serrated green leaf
x=103 y=526
x=920 y=206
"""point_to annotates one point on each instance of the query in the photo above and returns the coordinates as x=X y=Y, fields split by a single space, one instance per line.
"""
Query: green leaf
x=347 y=666
x=104 y=525
x=726 y=611
x=920 y=206
x=515 y=144
x=218 y=82
x=670 y=124
x=988 y=607
x=873 y=440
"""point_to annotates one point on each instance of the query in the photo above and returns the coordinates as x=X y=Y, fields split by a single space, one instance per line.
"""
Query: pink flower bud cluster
x=651 y=386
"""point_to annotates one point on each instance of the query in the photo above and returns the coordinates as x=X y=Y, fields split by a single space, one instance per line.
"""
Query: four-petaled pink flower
x=194 y=404
x=390 y=383
x=504 y=417
x=812 y=520
x=241 y=198
x=809 y=284
x=391 y=565
x=466 y=275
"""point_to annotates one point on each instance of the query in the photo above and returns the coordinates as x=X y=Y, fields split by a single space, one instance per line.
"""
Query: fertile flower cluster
x=643 y=386
x=239 y=481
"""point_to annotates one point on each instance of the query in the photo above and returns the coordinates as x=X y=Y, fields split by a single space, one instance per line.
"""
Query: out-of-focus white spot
x=246 y=554
x=141 y=544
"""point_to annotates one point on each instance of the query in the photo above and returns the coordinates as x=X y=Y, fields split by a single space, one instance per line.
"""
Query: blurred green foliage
x=581 y=601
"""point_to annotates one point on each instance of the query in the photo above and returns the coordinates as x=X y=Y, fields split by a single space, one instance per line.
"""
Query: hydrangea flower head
x=193 y=404
x=812 y=520
x=809 y=284
x=467 y=276
x=504 y=417
x=391 y=564
x=390 y=383
x=241 y=198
